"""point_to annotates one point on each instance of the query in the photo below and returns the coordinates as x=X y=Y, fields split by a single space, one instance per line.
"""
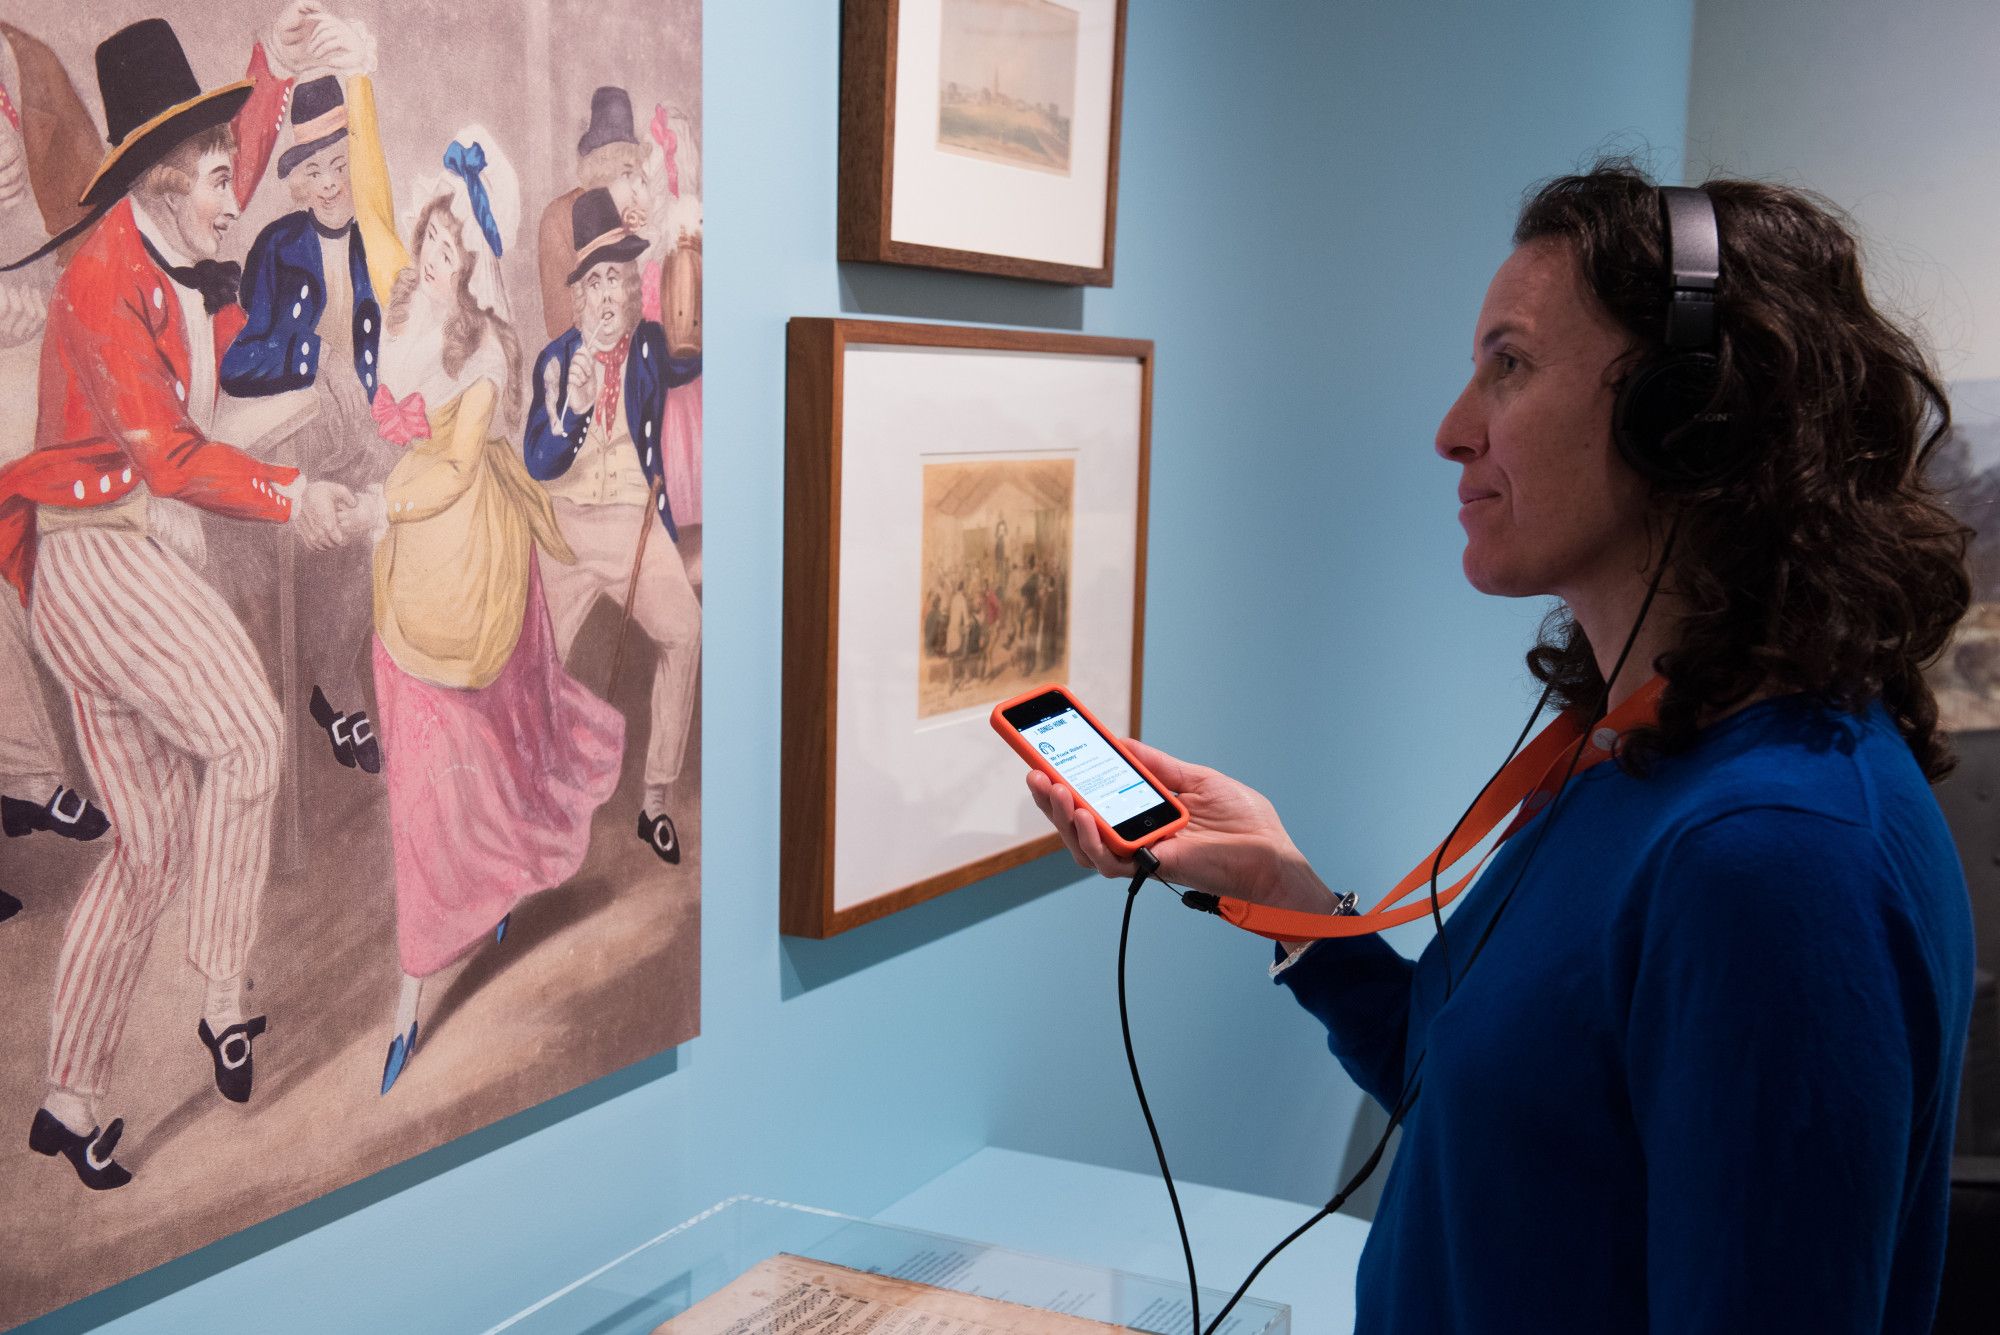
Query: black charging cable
x=1148 y=866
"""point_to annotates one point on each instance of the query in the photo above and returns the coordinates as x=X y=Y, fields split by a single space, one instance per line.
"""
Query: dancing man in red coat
x=101 y=539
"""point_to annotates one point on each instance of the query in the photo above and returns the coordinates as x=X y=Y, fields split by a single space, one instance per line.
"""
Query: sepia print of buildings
x=1007 y=81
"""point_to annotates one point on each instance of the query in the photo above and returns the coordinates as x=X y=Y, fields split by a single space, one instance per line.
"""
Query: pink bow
x=400 y=423
x=669 y=142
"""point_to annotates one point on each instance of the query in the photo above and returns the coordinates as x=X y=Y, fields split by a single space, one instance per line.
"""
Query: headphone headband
x=1694 y=257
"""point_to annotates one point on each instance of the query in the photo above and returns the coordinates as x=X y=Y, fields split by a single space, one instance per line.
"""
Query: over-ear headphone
x=1663 y=420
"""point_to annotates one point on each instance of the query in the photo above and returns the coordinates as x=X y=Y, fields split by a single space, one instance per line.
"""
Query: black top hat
x=610 y=121
x=598 y=233
x=319 y=117
x=152 y=104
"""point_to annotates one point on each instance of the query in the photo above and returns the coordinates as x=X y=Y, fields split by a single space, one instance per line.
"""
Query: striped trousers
x=30 y=757
x=176 y=722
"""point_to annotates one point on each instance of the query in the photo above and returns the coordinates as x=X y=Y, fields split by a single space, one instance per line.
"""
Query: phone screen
x=1091 y=766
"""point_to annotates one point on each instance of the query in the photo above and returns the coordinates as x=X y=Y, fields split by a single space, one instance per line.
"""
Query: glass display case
x=634 y=1293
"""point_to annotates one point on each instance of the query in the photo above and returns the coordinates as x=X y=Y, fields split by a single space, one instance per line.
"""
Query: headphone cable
x=1148 y=866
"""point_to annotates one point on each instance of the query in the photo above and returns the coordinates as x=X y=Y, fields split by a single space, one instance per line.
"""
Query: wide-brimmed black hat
x=152 y=104
x=599 y=234
x=610 y=121
x=319 y=118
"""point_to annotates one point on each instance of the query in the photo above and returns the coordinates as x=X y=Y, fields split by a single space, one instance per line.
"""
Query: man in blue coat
x=593 y=439
x=314 y=332
x=308 y=265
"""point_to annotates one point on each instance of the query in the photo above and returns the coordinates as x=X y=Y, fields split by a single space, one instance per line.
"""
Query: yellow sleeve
x=374 y=202
x=424 y=484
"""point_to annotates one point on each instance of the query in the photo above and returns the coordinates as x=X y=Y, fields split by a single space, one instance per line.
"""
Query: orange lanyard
x=1529 y=781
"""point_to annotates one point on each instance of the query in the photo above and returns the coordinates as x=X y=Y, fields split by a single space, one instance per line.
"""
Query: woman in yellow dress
x=495 y=756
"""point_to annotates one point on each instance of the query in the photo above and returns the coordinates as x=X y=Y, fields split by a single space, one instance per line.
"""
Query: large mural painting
x=350 y=594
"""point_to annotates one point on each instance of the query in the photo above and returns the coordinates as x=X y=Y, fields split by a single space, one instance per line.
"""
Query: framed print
x=965 y=516
x=982 y=135
x=350 y=611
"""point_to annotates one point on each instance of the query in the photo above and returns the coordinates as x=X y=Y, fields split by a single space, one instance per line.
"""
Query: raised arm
x=257 y=124
x=374 y=202
x=551 y=441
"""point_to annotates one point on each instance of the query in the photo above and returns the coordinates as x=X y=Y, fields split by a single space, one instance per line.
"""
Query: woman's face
x=440 y=257
x=1547 y=505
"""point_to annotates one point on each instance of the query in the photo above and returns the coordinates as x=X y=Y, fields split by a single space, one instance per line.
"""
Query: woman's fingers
x=1091 y=842
x=1038 y=789
x=1075 y=826
x=1062 y=814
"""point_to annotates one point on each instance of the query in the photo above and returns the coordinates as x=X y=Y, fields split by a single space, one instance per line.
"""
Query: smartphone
x=1058 y=736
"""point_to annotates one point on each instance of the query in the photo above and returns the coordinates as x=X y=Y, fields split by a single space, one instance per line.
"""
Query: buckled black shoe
x=9 y=906
x=90 y=1155
x=658 y=832
x=231 y=1051
x=334 y=725
x=67 y=813
x=361 y=736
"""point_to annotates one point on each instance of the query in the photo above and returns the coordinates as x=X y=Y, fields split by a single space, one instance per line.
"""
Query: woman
x=1701 y=1075
x=495 y=756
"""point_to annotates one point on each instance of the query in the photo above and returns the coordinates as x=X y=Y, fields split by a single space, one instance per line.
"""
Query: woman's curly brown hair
x=1823 y=563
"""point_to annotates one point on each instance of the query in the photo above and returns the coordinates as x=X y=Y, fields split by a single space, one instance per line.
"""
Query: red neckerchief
x=1529 y=781
x=613 y=363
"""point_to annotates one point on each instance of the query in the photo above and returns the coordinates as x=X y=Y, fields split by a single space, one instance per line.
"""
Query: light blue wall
x=1313 y=196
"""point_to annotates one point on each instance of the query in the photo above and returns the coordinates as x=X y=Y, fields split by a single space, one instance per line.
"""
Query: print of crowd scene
x=995 y=609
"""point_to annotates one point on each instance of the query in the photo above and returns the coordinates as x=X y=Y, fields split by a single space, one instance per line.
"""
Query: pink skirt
x=491 y=790
x=682 y=455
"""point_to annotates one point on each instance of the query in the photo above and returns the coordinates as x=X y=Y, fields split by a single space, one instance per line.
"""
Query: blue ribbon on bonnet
x=466 y=164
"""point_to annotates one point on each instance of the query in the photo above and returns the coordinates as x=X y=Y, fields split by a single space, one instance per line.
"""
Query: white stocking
x=406 y=1003
x=224 y=1003
x=72 y=1109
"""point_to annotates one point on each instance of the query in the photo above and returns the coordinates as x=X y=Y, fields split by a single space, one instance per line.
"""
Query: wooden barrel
x=680 y=299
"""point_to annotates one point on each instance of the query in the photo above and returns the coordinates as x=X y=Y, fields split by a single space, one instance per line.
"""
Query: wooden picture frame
x=872 y=229
x=828 y=467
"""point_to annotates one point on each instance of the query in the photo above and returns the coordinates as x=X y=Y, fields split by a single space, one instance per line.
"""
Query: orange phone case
x=1013 y=737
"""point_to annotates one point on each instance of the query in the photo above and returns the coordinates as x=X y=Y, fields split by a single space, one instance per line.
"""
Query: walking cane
x=646 y=523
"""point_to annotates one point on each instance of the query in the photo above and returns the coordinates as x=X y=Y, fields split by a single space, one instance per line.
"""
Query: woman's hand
x=1233 y=844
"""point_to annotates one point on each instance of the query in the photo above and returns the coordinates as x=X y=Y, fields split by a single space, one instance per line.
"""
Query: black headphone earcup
x=1664 y=425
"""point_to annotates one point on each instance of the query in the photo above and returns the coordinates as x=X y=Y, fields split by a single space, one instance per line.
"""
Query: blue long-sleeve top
x=1703 y=1077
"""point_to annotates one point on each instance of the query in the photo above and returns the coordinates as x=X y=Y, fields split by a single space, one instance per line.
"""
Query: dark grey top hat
x=598 y=233
x=152 y=104
x=610 y=121
x=319 y=118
